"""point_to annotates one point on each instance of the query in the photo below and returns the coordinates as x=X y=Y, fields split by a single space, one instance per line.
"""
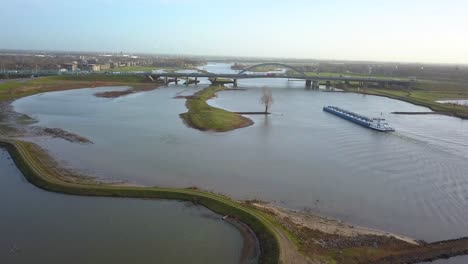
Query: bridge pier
x=196 y=81
x=166 y=80
x=235 y=82
x=315 y=84
x=176 y=80
x=187 y=81
x=308 y=83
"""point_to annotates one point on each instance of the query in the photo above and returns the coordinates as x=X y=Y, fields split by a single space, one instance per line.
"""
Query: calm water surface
x=42 y=227
x=413 y=181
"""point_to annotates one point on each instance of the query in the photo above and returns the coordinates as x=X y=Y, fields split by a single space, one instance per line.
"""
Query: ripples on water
x=413 y=181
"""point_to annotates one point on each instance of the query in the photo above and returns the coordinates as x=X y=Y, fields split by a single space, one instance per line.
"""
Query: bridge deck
x=259 y=76
x=238 y=76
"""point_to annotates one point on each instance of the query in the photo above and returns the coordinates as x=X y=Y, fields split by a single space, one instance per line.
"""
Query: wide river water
x=413 y=182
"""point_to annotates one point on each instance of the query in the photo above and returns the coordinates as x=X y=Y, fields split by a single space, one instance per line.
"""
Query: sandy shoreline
x=251 y=246
x=328 y=225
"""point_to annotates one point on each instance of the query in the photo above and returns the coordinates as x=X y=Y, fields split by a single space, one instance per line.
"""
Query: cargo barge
x=378 y=124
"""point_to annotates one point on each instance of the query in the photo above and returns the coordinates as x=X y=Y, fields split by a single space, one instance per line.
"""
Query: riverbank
x=13 y=124
x=12 y=90
x=204 y=117
x=327 y=240
x=149 y=69
x=414 y=113
x=251 y=248
x=425 y=94
x=46 y=177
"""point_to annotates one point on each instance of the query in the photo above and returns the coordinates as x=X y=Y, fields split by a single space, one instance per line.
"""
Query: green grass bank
x=148 y=69
x=14 y=89
x=427 y=94
x=204 y=117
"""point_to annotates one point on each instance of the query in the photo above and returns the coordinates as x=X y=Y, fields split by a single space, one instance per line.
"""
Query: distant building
x=71 y=67
x=105 y=66
x=94 y=67
x=90 y=67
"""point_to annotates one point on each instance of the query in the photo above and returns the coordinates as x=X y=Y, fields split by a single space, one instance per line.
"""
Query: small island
x=205 y=117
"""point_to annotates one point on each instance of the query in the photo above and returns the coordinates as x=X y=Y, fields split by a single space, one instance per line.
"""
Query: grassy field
x=10 y=90
x=265 y=69
x=131 y=69
x=334 y=74
x=146 y=69
x=422 y=93
x=101 y=78
x=204 y=117
x=28 y=160
x=426 y=93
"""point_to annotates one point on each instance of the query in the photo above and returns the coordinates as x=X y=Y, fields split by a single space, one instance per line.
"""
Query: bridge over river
x=310 y=80
x=294 y=73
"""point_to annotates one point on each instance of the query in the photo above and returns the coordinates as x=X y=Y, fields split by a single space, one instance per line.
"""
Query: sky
x=398 y=30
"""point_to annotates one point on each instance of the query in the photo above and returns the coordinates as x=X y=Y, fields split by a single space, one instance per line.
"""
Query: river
x=413 y=182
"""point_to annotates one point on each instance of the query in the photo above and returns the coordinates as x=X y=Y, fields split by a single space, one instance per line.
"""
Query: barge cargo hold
x=372 y=123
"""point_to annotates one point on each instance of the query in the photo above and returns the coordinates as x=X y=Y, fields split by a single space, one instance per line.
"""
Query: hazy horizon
x=400 y=31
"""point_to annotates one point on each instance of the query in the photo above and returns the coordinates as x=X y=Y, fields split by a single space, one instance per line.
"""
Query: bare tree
x=267 y=98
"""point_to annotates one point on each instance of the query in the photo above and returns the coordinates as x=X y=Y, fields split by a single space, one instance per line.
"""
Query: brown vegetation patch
x=57 y=169
x=115 y=94
x=253 y=113
x=13 y=124
x=185 y=97
x=68 y=136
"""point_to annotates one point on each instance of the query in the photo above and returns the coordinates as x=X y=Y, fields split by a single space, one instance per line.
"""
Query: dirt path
x=289 y=253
